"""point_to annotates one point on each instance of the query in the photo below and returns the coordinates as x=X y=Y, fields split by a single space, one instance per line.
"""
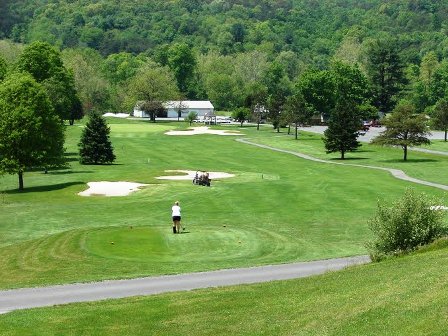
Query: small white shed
x=201 y=107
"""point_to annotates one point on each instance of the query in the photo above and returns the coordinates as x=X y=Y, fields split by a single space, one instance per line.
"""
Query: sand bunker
x=202 y=130
x=116 y=115
x=190 y=174
x=111 y=188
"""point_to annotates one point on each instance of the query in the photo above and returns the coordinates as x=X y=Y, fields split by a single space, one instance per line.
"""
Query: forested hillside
x=313 y=29
x=233 y=45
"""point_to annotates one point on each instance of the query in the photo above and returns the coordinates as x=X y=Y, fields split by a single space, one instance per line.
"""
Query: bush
x=409 y=223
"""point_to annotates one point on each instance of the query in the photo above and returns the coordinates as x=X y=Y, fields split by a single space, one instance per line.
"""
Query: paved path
x=48 y=296
x=397 y=173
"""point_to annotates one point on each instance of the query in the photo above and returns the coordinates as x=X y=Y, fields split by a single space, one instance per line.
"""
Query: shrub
x=409 y=223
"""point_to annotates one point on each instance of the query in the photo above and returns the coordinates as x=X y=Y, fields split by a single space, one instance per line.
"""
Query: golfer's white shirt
x=175 y=210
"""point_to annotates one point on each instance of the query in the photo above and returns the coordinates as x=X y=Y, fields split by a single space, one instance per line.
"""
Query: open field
x=278 y=208
x=400 y=296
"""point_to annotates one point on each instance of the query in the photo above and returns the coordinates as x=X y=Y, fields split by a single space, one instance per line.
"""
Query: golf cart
x=202 y=178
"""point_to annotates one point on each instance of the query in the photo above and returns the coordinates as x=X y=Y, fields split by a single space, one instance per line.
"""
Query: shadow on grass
x=409 y=161
x=348 y=159
x=45 y=188
x=67 y=172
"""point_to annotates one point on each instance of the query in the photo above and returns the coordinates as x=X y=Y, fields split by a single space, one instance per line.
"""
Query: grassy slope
x=400 y=296
x=278 y=208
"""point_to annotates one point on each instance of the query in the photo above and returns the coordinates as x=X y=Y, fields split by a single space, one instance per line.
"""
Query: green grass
x=438 y=145
x=420 y=165
x=278 y=208
x=400 y=296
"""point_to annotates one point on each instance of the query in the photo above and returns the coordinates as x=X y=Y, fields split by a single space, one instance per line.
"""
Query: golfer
x=175 y=213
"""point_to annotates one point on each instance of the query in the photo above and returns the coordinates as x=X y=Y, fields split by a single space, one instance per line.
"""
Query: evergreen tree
x=95 y=146
x=342 y=132
x=386 y=73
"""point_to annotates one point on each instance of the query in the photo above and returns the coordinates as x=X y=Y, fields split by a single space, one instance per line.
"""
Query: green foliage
x=241 y=114
x=182 y=62
x=95 y=146
x=406 y=224
x=151 y=84
x=440 y=116
x=342 y=132
x=31 y=134
x=62 y=93
x=404 y=128
x=192 y=116
x=386 y=72
x=297 y=111
x=3 y=68
x=41 y=60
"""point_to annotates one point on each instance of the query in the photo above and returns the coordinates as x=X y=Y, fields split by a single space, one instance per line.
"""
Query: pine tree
x=342 y=132
x=95 y=146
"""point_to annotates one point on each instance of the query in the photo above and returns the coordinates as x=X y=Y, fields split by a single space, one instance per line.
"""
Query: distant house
x=201 y=107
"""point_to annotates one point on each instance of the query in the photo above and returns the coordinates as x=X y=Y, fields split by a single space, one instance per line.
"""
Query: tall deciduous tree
x=151 y=84
x=31 y=133
x=297 y=111
x=404 y=128
x=440 y=116
x=182 y=62
x=241 y=114
x=62 y=92
x=342 y=132
x=95 y=146
x=41 y=60
x=386 y=72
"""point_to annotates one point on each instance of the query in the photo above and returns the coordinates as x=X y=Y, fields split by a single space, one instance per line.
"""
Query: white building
x=201 y=107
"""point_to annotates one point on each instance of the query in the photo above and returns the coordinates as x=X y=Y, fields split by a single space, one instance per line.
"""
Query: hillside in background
x=315 y=30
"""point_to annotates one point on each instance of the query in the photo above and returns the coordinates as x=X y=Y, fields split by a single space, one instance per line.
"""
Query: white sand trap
x=116 y=115
x=202 y=130
x=190 y=174
x=111 y=188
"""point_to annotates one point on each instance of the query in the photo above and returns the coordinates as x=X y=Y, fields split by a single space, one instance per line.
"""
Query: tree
x=278 y=86
x=95 y=146
x=342 y=132
x=297 y=111
x=153 y=109
x=31 y=134
x=91 y=86
x=62 y=93
x=151 y=84
x=404 y=128
x=182 y=62
x=241 y=114
x=440 y=116
x=41 y=60
x=192 y=116
x=385 y=69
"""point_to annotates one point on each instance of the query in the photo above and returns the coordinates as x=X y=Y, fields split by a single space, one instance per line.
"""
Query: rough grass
x=278 y=208
x=400 y=296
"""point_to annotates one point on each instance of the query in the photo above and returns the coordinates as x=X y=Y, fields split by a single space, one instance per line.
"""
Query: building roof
x=189 y=104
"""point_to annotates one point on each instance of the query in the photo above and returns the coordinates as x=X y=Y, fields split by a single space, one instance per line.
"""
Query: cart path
x=397 y=173
x=62 y=294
